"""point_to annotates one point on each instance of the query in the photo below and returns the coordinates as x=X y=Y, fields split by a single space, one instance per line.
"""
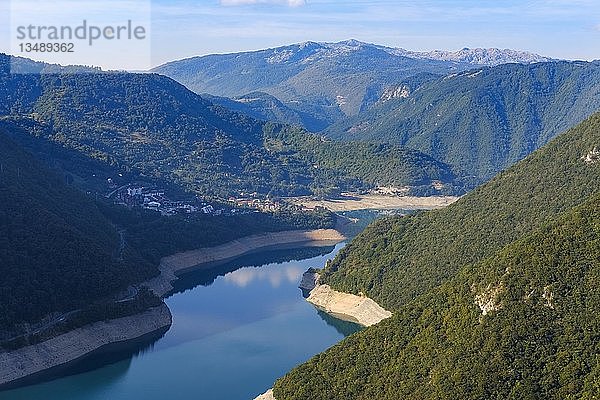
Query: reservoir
x=236 y=329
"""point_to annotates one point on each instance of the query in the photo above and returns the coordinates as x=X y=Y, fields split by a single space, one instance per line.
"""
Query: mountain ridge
x=481 y=121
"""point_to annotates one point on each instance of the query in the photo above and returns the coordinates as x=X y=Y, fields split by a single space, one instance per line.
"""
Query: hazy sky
x=183 y=28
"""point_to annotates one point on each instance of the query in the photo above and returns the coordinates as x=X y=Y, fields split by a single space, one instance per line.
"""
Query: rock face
x=348 y=307
x=592 y=157
x=268 y=395
x=73 y=345
x=310 y=280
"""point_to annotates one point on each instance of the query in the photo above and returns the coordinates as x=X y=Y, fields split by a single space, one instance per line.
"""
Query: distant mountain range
x=488 y=57
x=333 y=78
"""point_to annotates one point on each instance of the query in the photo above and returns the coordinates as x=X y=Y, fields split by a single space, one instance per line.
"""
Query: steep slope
x=265 y=107
x=523 y=323
x=493 y=297
x=484 y=120
x=395 y=260
x=376 y=164
x=58 y=251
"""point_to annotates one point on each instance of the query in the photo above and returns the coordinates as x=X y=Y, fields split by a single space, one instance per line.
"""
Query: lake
x=236 y=329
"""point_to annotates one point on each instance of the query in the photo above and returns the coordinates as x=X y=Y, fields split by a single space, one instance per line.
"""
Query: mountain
x=489 y=57
x=493 y=297
x=156 y=126
x=480 y=121
x=336 y=78
x=263 y=106
x=376 y=164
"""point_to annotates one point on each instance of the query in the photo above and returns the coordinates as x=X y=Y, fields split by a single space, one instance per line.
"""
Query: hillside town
x=148 y=197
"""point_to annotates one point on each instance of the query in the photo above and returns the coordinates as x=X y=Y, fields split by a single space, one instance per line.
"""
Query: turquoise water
x=235 y=331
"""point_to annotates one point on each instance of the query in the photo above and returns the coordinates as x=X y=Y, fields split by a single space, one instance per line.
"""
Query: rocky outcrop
x=310 y=280
x=348 y=307
x=172 y=266
x=592 y=157
x=268 y=395
x=78 y=343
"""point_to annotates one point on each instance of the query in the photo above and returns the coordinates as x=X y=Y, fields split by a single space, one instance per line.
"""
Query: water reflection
x=119 y=354
x=206 y=277
x=245 y=328
x=244 y=276
x=345 y=328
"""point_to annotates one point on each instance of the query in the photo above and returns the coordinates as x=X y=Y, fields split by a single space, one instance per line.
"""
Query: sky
x=567 y=29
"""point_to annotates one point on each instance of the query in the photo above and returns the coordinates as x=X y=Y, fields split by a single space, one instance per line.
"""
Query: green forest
x=524 y=247
x=155 y=126
x=60 y=249
x=483 y=120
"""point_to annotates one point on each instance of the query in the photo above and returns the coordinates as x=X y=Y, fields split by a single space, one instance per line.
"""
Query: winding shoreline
x=172 y=267
x=28 y=362
x=345 y=306
x=23 y=363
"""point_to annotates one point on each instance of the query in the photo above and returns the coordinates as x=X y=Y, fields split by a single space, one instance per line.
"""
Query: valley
x=329 y=219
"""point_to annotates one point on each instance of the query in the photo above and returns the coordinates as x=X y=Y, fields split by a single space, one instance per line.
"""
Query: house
x=133 y=191
x=208 y=209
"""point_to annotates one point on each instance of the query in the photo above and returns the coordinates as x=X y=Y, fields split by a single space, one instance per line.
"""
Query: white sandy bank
x=348 y=307
x=268 y=395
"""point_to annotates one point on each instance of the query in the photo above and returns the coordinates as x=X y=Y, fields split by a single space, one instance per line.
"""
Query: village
x=133 y=195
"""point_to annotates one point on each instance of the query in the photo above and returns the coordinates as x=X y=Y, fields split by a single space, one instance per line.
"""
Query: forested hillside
x=397 y=259
x=483 y=120
x=522 y=324
x=58 y=251
x=376 y=164
x=265 y=107
x=155 y=126
x=493 y=297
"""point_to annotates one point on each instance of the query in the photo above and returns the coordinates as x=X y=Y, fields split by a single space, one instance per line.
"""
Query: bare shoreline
x=376 y=202
x=30 y=361
x=173 y=266
x=71 y=346
x=344 y=306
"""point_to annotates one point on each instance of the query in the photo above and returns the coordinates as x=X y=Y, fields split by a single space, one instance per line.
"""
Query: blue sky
x=558 y=28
